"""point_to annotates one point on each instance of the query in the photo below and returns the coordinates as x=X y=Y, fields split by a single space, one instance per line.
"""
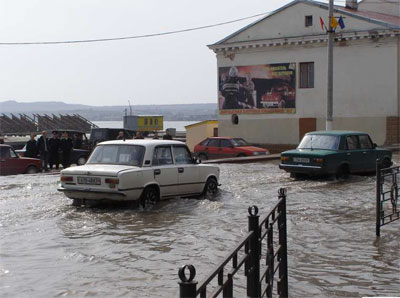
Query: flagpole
x=329 y=102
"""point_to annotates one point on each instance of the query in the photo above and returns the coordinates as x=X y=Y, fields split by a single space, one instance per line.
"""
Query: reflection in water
x=50 y=248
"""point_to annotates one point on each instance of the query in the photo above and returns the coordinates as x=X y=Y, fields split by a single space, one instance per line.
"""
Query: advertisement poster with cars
x=268 y=88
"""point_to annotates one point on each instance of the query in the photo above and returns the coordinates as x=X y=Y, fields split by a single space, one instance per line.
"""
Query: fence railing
x=259 y=266
x=387 y=195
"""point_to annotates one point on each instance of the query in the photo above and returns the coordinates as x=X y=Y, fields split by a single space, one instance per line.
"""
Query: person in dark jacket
x=66 y=149
x=31 y=147
x=43 y=149
x=230 y=90
x=121 y=135
x=77 y=141
x=54 y=144
x=167 y=136
x=139 y=135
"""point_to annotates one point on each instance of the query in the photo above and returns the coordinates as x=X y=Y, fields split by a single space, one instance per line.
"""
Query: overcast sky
x=158 y=70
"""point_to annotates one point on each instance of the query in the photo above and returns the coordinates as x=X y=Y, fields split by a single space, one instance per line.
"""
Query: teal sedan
x=334 y=152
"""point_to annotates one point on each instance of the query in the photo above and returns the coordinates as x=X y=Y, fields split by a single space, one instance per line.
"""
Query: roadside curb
x=246 y=159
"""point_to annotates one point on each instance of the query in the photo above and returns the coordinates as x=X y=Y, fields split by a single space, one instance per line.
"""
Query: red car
x=223 y=147
x=12 y=164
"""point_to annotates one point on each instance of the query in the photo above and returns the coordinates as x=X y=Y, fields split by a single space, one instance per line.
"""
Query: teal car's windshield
x=118 y=155
x=324 y=142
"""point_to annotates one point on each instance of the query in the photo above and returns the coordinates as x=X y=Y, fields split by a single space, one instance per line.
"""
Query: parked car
x=138 y=170
x=80 y=151
x=224 y=147
x=98 y=135
x=12 y=164
x=334 y=152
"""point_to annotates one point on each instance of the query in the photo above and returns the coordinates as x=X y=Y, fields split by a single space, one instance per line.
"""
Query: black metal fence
x=387 y=195
x=264 y=268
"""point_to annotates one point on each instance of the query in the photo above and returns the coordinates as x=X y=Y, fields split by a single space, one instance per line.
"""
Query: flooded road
x=49 y=248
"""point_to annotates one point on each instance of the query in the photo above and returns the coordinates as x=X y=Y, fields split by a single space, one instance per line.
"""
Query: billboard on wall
x=268 y=88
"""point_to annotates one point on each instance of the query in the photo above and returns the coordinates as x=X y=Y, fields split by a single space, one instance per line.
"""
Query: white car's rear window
x=118 y=155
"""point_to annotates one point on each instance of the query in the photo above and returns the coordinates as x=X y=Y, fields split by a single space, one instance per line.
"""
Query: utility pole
x=329 y=101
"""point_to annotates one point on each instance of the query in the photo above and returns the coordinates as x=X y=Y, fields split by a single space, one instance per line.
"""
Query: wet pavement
x=49 y=248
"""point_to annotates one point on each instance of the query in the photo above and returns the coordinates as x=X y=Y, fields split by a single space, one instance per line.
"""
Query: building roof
x=201 y=123
x=389 y=21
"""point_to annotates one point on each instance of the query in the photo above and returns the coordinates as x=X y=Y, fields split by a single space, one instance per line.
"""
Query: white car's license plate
x=89 y=180
x=301 y=159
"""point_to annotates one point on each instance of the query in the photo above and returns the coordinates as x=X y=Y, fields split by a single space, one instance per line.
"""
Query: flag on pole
x=323 y=27
x=341 y=23
x=334 y=22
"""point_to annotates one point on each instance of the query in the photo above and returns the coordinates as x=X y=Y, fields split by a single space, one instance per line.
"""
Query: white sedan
x=138 y=170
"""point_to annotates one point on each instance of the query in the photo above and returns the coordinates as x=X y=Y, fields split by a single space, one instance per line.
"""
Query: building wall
x=197 y=132
x=290 y=22
x=390 y=7
x=365 y=89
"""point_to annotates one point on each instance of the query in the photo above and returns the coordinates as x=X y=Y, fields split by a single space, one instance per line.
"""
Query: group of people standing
x=49 y=149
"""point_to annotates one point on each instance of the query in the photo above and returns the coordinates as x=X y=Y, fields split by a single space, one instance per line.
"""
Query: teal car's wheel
x=343 y=172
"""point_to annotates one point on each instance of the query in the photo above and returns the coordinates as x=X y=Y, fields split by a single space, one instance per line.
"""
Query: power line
x=131 y=37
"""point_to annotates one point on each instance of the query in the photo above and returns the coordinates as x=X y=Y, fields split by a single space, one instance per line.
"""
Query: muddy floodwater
x=49 y=248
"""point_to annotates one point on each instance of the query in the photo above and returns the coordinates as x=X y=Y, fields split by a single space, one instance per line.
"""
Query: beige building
x=197 y=132
x=273 y=73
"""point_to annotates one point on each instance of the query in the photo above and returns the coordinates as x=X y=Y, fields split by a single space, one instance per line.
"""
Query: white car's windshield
x=325 y=142
x=118 y=155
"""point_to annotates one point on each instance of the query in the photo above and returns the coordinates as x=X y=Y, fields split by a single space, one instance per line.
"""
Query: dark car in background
x=334 y=152
x=98 y=135
x=12 y=164
x=225 y=147
x=80 y=151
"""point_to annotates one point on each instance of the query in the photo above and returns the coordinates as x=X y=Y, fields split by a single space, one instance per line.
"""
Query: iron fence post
x=378 y=198
x=187 y=286
x=253 y=276
x=283 y=264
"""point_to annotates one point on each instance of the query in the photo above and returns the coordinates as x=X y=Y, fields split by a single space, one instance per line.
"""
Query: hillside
x=188 y=112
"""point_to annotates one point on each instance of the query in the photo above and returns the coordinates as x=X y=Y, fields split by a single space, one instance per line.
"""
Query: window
x=5 y=152
x=365 y=142
x=352 y=142
x=308 y=21
x=182 y=155
x=204 y=143
x=213 y=143
x=225 y=143
x=117 y=154
x=323 y=142
x=307 y=75
x=162 y=156
x=13 y=154
x=237 y=142
x=145 y=121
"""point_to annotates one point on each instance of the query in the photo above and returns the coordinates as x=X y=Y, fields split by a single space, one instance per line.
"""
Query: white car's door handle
x=181 y=170
x=157 y=172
